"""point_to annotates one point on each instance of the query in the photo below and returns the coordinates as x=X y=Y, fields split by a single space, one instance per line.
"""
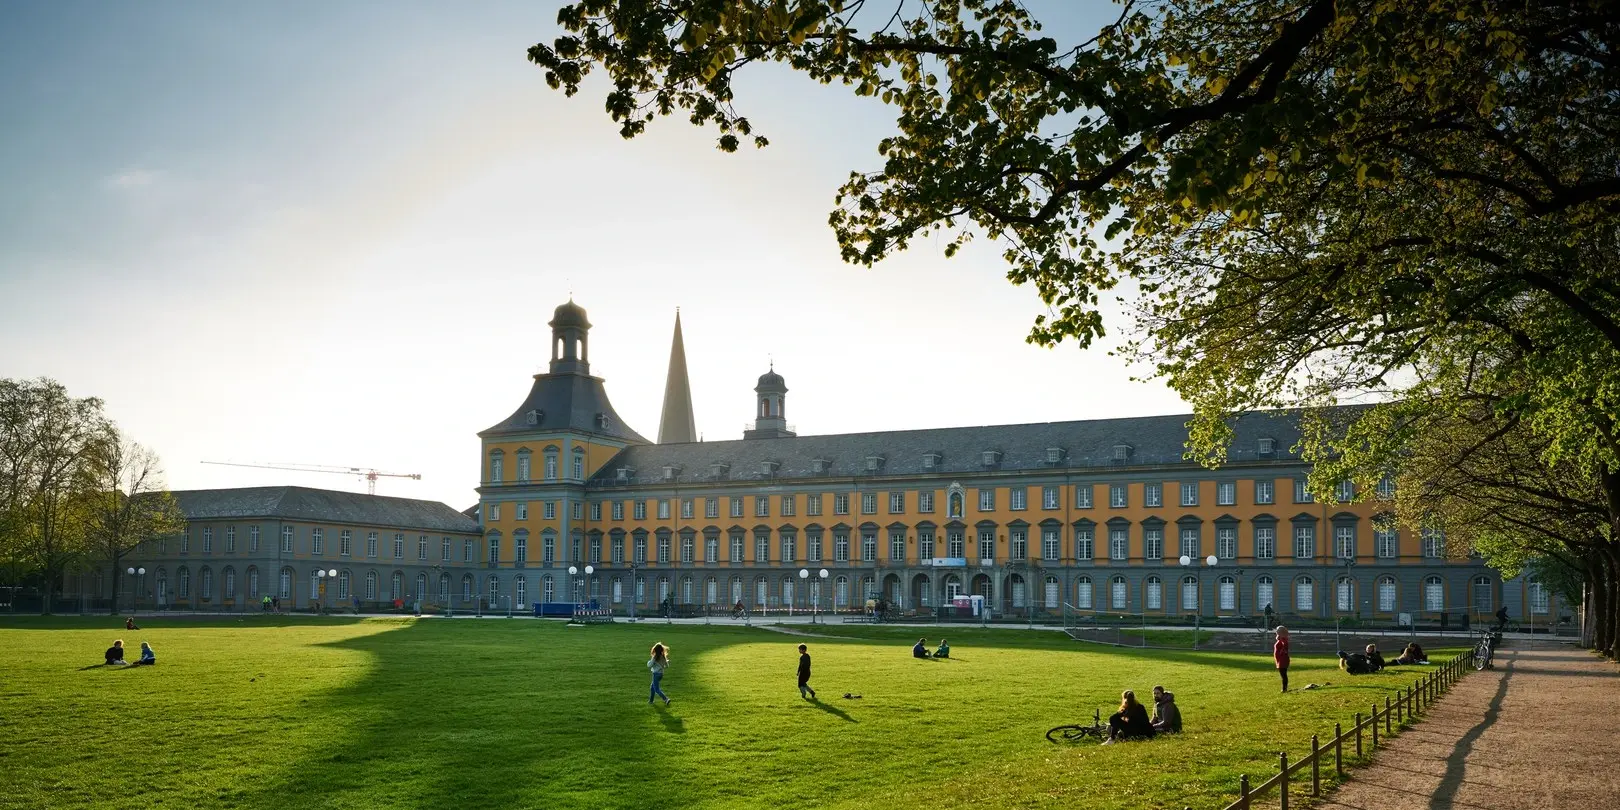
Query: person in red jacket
x=1279 y=653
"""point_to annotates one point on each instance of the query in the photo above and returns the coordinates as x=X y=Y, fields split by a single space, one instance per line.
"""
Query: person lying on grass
x=1355 y=663
x=1374 y=657
x=115 y=653
x=920 y=649
x=1413 y=654
x=1166 y=716
x=1130 y=722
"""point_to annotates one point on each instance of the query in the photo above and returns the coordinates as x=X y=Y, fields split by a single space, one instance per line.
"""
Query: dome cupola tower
x=770 y=412
x=570 y=340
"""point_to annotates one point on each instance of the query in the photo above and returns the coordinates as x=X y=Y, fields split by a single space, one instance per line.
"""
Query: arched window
x=253 y=582
x=466 y=587
x=787 y=589
x=663 y=589
x=421 y=586
x=444 y=588
x=494 y=590
x=1265 y=593
x=618 y=590
x=1118 y=593
x=1228 y=593
x=1483 y=603
x=396 y=585
x=162 y=584
x=1053 y=593
x=711 y=591
x=760 y=596
x=841 y=591
x=641 y=590
x=1082 y=593
x=1434 y=593
x=1344 y=595
x=206 y=577
x=1018 y=591
x=371 y=586
x=520 y=590
x=686 y=590
x=182 y=577
x=343 y=584
x=953 y=505
x=1539 y=601
x=1386 y=594
x=1189 y=594
x=1304 y=595
x=284 y=582
x=1153 y=593
x=229 y=577
x=548 y=589
x=736 y=590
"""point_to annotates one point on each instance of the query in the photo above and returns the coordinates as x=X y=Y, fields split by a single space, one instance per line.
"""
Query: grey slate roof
x=1155 y=440
x=322 y=505
x=567 y=401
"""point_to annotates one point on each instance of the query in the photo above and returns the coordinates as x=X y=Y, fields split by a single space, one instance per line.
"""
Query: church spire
x=677 y=425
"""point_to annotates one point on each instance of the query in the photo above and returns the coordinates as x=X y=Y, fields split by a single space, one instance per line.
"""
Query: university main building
x=1096 y=515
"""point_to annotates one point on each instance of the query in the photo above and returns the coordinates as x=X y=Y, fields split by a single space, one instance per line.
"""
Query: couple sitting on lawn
x=920 y=649
x=1131 y=721
x=115 y=654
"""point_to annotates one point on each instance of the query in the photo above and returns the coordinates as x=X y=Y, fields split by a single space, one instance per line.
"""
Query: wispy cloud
x=133 y=178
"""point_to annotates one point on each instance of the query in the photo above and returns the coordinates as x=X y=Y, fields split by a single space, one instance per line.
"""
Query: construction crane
x=367 y=473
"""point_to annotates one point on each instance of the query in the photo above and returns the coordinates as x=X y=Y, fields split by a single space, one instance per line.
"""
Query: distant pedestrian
x=266 y=603
x=1279 y=653
x=1271 y=617
x=357 y=606
x=657 y=664
x=804 y=672
x=275 y=604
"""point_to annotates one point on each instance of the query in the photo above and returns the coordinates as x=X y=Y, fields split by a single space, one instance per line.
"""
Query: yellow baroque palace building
x=1097 y=515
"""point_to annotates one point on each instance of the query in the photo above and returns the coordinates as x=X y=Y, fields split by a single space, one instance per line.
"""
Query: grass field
x=292 y=713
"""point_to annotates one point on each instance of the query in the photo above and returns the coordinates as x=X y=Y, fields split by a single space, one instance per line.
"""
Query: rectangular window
x=925 y=544
x=1192 y=542
x=596 y=511
x=1226 y=543
x=736 y=548
x=897 y=547
x=1301 y=493
x=812 y=505
x=736 y=506
x=1539 y=598
x=494 y=511
x=639 y=509
x=1386 y=595
x=1153 y=495
x=1265 y=543
x=840 y=547
x=317 y=542
x=1304 y=542
x=925 y=502
x=663 y=509
x=616 y=546
x=548 y=550
x=987 y=500
x=1017 y=545
x=1385 y=540
x=1345 y=492
x=1386 y=489
x=1049 y=545
x=868 y=503
x=574 y=510
x=1082 y=496
x=663 y=549
x=253 y=539
x=520 y=549
x=1116 y=496
x=522 y=511
x=286 y=540
x=467 y=550
x=208 y=540
x=1017 y=499
x=1119 y=544
x=494 y=551
x=1434 y=544
x=1189 y=493
x=897 y=503
x=762 y=506
x=639 y=545
x=579 y=465
x=868 y=546
x=399 y=546
x=1225 y=493
x=711 y=507
x=813 y=542
x=987 y=544
x=711 y=549
x=618 y=510
x=1153 y=544
x=1049 y=498
x=688 y=509
x=1265 y=492
x=840 y=504
x=1083 y=541
x=955 y=547
x=688 y=547
x=421 y=547
x=790 y=548
x=1344 y=542
x=549 y=510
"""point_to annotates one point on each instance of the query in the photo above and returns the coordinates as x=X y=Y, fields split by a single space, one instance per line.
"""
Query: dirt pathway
x=1536 y=732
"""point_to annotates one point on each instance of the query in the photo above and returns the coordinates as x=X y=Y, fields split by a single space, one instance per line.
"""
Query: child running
x=804 y=673
x=658 y=663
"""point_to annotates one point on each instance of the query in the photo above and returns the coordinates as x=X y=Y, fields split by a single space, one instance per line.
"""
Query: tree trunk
x=1597 y=579
x=1612 y=585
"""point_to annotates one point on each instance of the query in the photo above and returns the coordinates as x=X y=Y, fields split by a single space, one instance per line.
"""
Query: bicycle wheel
x=1482 y=656
x=1070 y=733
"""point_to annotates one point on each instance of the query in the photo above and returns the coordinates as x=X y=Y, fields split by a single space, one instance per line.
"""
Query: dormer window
x=671 y=472
x=720 y=470
x=990 y=458
x=874 y=463
x=768 y=468
x=625 y=474
x=1122 y=453
x=601 y=422
x=533 y=416
x=822 y=465
x=1268 y=447
x=931 y=460
x=1054 y=456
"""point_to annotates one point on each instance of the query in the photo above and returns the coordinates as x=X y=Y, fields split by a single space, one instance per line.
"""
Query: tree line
x=75 y=491
x=1412 y=207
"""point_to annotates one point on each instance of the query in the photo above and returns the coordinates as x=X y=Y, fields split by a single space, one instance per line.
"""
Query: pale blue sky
x=332 y=233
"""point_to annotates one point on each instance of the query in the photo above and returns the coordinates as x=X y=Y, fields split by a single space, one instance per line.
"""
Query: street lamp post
x=135 y=598
x=322 y=576
x=1198 y=612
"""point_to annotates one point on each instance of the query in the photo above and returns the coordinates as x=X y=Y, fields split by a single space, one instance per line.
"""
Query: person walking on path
x=657 y=664
x=1279 y=653
x=804 y=673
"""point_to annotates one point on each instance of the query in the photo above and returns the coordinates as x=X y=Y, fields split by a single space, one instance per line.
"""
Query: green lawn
x=265 y=712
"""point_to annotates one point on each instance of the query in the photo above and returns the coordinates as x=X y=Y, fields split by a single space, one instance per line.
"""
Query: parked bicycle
x=1075 y=733
x=1485 y=649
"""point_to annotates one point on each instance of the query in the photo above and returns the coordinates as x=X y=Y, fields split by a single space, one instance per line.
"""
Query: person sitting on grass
x=944 y=650
x=129 y=624
x=1166 y=716
x=1413 y=654
x=920 y=649
x=115 y=654
x=1374 y=657
x=1130 y=722
x=148 y=657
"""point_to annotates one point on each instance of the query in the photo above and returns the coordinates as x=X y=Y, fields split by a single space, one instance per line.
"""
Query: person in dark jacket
x=1355 y=663
x=129 y=624
x=920 y=649
x=1130 y=722
x=804 y=672
x=1166 y=715
x=1374 y=657
x=115 y=653
x=1413 y=654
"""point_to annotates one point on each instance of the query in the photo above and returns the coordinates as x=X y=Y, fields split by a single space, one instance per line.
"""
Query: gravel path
x=1536 y=732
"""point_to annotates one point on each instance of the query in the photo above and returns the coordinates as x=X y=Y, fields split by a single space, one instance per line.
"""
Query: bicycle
x=1075 y=733
x=1484 y=649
